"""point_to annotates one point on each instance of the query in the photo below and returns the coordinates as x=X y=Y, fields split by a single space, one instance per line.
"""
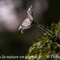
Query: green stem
x=43 y=28
x=55 y=39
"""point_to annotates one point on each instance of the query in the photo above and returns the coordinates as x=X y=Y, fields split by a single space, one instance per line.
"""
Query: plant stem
x=42 y=27
x=56 y=39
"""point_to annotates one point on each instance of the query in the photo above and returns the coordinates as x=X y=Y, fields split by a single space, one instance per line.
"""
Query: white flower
x=28 y=21
x=25 y=25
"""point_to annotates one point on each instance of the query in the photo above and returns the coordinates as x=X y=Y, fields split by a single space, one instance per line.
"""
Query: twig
x=42 y=27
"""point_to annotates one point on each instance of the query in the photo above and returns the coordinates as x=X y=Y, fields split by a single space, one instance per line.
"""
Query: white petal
x=26 y=22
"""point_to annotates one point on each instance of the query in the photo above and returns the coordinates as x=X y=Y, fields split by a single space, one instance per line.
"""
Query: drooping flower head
x=28 y=21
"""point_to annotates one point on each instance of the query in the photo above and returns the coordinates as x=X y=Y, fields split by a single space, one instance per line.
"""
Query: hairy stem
x=55 y=39
x=43 y=28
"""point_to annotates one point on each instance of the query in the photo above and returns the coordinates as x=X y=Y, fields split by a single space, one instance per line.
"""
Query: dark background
x=12 y=42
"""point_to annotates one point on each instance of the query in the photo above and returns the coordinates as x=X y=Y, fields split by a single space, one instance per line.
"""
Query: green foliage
x=46 y=48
